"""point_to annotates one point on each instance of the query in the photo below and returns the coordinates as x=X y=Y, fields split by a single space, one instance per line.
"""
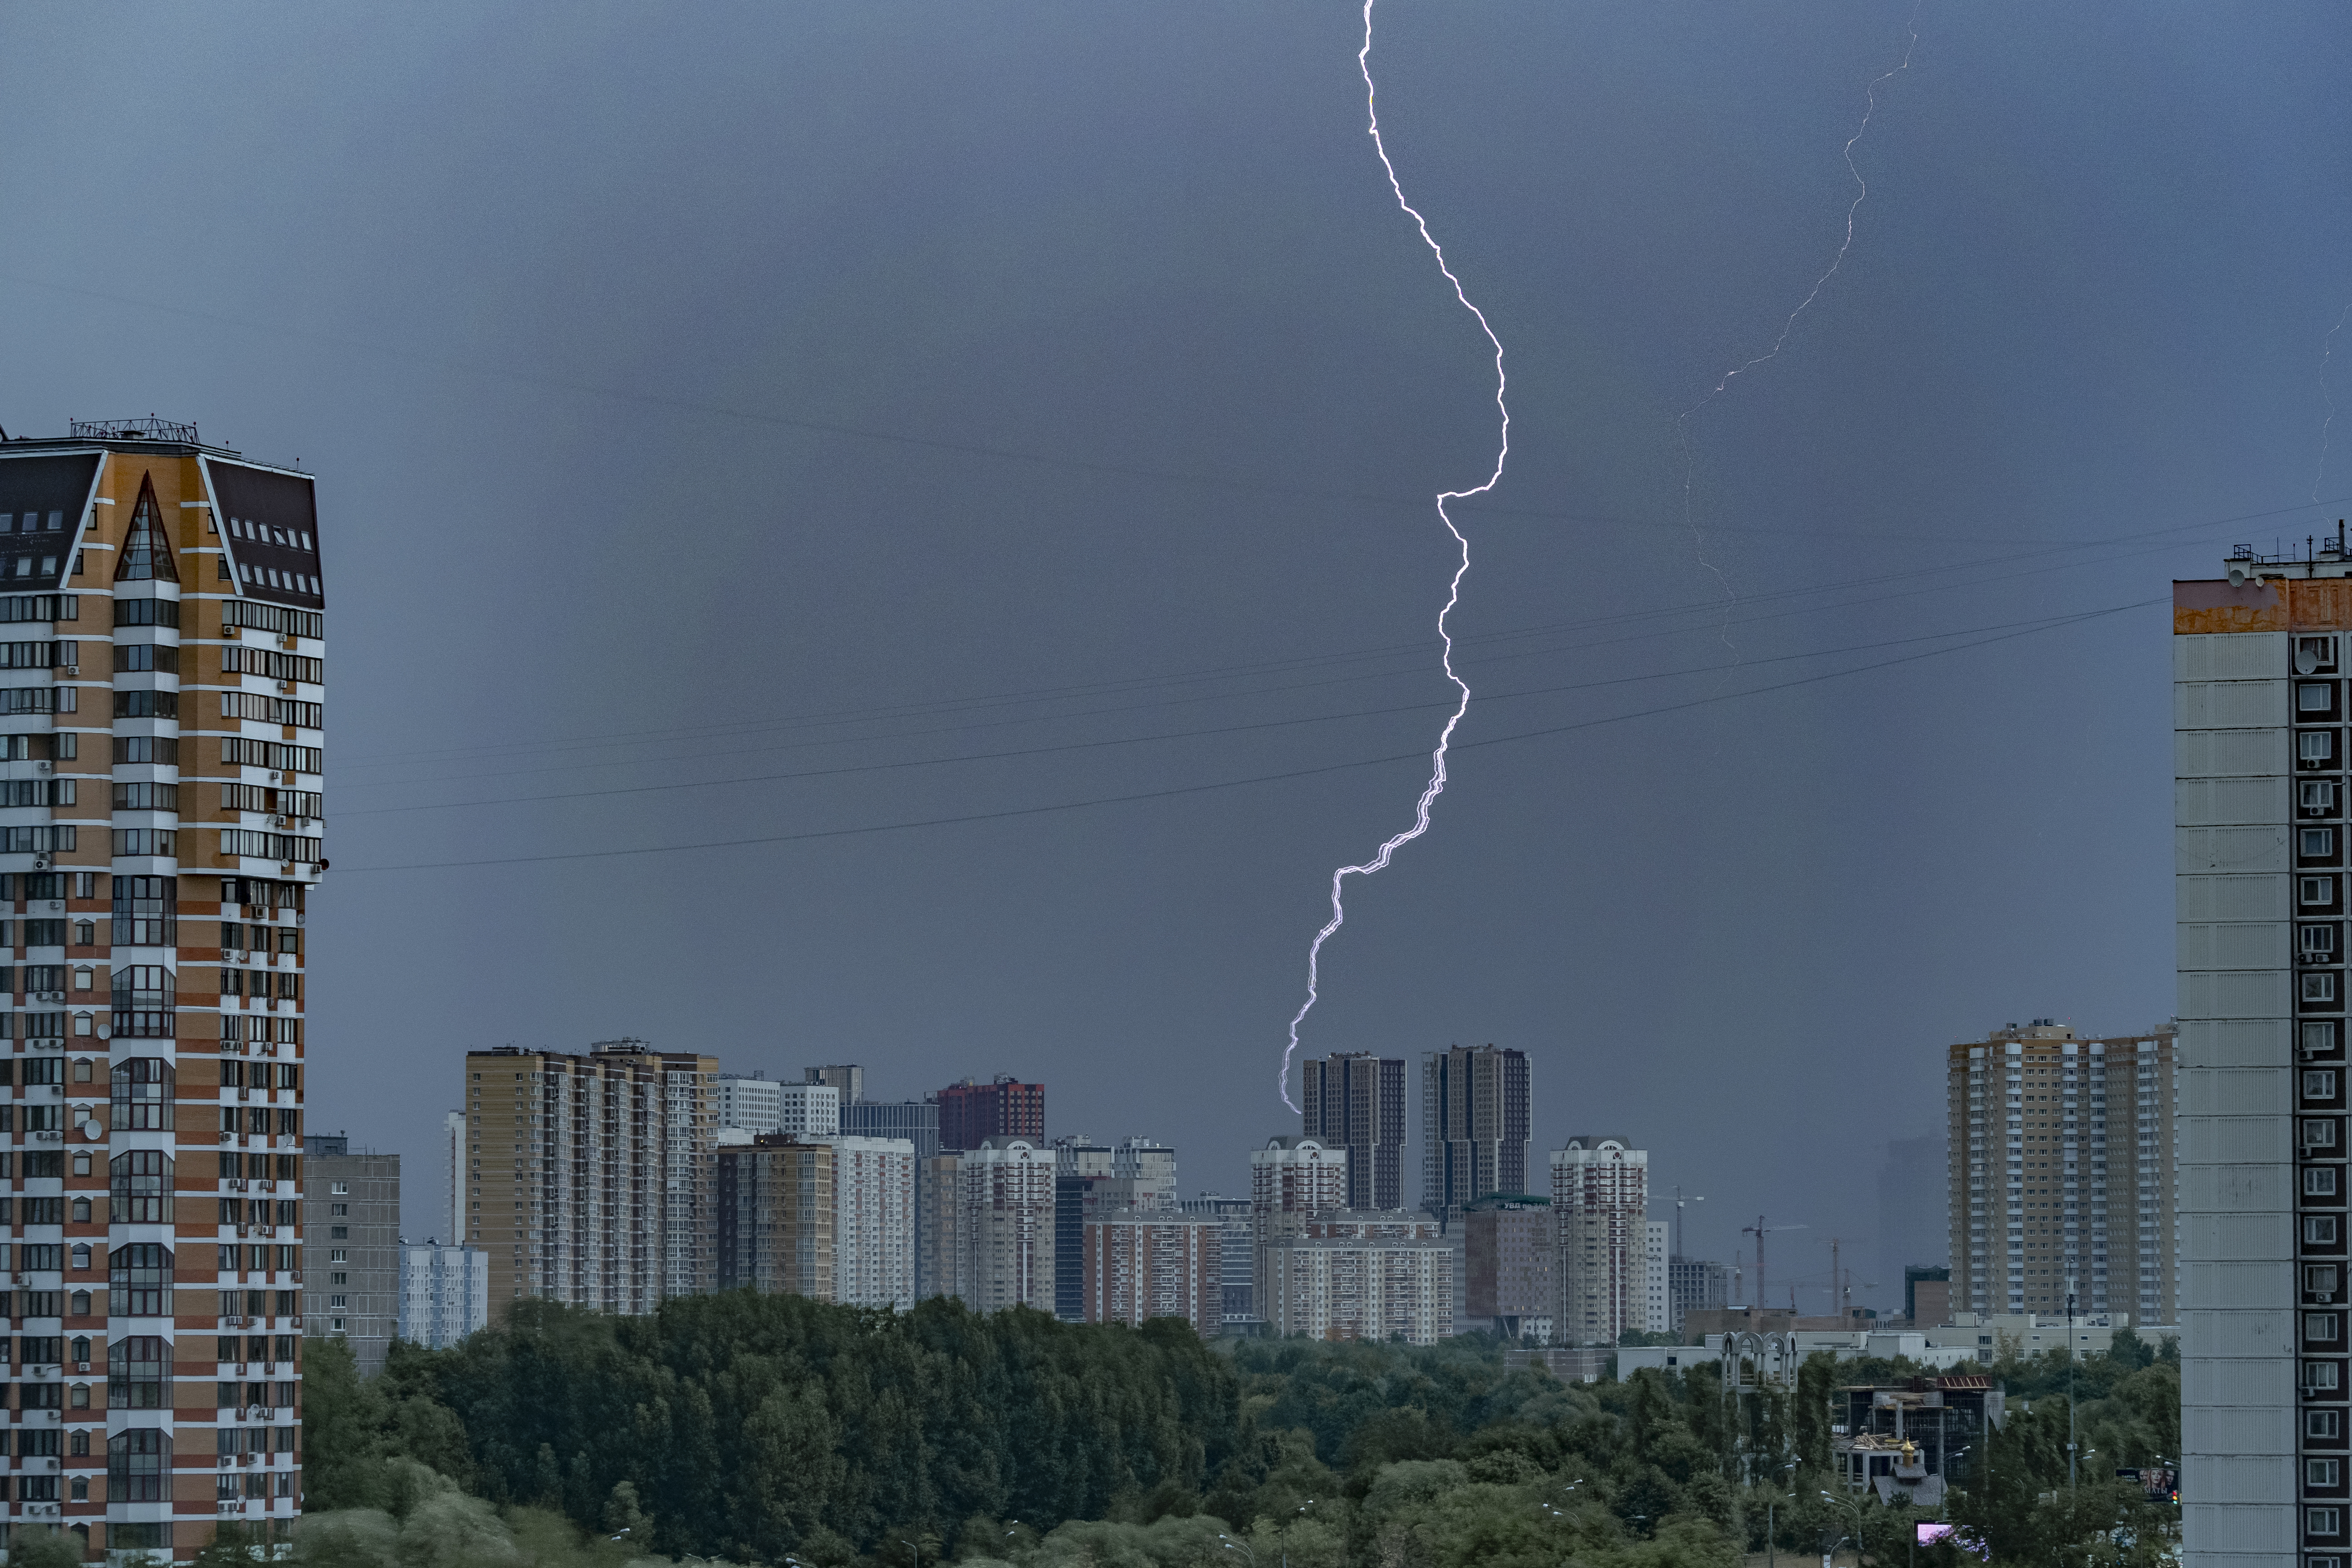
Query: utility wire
x=1015 y=698
x=1224 y=784
x=2038 y=623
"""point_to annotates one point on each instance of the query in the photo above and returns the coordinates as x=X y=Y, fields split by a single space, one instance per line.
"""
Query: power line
x=894 y=437
x=1485 y=699
x=1226 y=784
x=843 y=717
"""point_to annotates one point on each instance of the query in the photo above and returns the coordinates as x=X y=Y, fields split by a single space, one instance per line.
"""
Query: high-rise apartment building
x=1353 y=1274
x=1355 y=1099
x=1004 y=1225
x=971 y=1112
x=444 y=1293
x=874 y=1221
x=350 y=1218
x=1601 y=1198
x=590 y=1176
x=777 y=1213
x=847 y=1079
x=2062 y=1173
x=453 y=1170
x=916 y=1120
x=160 y=733
x=1292 y=1179
x=1157 y=1262
x=1511 y=1253
x=1655 y=1315
x=1083 y=1190
x=1237 y=1250
x=938 y=1237
x=1695 y=1285
x=1477 y=1113
x=808 y=1109
x=2260 y=748
x=750 y=1103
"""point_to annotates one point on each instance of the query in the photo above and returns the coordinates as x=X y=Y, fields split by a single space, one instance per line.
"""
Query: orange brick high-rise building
x=160 y=741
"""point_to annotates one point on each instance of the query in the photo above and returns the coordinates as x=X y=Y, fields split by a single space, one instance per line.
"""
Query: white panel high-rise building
x=1292 y=1179
x=874 y=1223
x=1002 y=1226
x=2259 y=715
x=752 y=1103
x=1599 y=1197
x=444 y=1293
x=808 y=1109
x=1655 y=1315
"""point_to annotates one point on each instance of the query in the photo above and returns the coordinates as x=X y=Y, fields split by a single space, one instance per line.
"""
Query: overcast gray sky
x=592 y=318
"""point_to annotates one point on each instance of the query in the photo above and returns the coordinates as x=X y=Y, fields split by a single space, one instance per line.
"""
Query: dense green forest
x=771 y=1429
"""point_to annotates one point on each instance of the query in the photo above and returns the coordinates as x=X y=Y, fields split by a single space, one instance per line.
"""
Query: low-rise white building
x=444 y=1293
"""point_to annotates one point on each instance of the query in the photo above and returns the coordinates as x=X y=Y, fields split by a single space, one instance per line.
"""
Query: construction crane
x=1760 y=1230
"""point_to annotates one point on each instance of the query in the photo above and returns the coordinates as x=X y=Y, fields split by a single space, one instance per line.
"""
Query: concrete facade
x=352 y=1228
x=444 y=1293
x=1153 y=1263
x=1600 y=1199
x=2061 y=1177
x=776 y=1214
x=2259 y=750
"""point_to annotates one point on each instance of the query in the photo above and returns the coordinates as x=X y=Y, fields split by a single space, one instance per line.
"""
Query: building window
x=140 y=1279
x=2321 y=1328
x=2316 y=892
x=137 y=1463
x=2323 y=1423
x=2310 y=696
x=2314 y=842
x=2319 y=985
x=2319 y=1377
x=2323 y=1521
x=2323 y=1472
x=2319 y=1132
x=2317 y=943
x=2315 y=745
x=2319 y=1181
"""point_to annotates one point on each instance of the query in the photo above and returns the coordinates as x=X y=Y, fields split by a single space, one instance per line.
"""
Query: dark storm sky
x=575 y=310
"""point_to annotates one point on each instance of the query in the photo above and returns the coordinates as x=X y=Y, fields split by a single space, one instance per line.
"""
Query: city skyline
x=1142 y=957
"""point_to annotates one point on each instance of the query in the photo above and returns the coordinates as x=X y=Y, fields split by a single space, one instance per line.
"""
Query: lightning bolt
x=1861 y=195
x=1436 y=785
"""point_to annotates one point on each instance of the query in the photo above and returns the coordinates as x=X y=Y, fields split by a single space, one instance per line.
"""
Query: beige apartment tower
x=588 y=1177
x=161 y=669
x=778 y=1217
x=2061 y=1174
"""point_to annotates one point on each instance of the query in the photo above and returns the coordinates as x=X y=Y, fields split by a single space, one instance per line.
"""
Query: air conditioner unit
x=53 y=1464
x=229 y=631
x=285 y=685
x=40 y=862
x=73 y=669
x=82 y=1366
x=40 y=767
x=277 y=777
x=277 y=821
x=245 y=1230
